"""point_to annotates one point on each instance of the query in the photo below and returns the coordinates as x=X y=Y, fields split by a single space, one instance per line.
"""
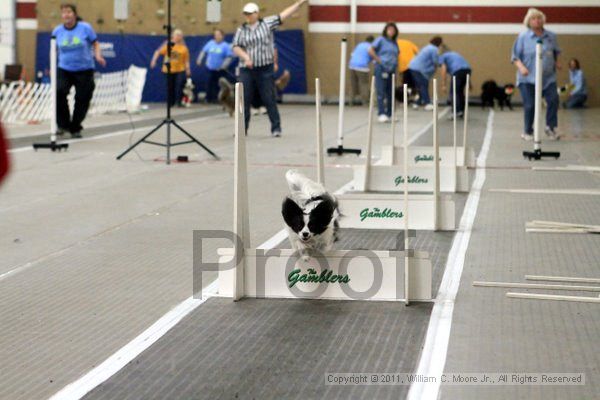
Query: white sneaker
x=552 y=133
x=383 y=118
x=254 y=111
x=415 y=106
x=262 y=110
x=526 y=137
x=429 y=107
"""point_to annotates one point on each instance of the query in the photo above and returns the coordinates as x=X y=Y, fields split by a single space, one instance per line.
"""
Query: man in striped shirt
x=253 y=44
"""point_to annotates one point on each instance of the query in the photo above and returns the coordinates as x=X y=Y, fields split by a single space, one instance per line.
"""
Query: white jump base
x=366 y=275
x=390 y=178
x=387 y=211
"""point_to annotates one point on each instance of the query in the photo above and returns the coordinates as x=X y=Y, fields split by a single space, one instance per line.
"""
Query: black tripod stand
x=168 y=121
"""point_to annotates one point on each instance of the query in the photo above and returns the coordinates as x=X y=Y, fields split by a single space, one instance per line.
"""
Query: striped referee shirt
x=258 y=41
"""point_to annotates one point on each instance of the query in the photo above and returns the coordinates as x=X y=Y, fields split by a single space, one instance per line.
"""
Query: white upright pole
x=454 y=118
x=241 y=224
x=436 y=160
x=406 y=233
x=53 y=88
x=537 y=139
x=319 y=130
x=393 y=124
x=466 y=120
x=343 y=51
x=454 y=130
x=366 y=181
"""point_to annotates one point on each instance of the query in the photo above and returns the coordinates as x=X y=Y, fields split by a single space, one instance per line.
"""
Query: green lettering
x=293 y=277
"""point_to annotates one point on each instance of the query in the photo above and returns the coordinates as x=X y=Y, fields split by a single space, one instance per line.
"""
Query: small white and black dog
x=310 y=213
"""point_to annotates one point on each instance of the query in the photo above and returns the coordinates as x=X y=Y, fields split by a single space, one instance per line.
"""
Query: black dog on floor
x=490 y=91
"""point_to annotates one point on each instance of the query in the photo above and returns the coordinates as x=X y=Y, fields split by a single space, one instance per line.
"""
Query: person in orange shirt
x=180 y=65
x=407 y=51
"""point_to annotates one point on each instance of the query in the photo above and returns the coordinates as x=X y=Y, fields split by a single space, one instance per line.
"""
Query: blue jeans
x=422 y=85
x=383 y=85
x=261 y=80
x=576 y=101
x=528 y=95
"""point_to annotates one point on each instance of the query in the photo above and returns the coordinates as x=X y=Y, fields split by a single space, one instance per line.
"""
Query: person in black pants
x=453 y=63
x=253 y=44
x=76 y=41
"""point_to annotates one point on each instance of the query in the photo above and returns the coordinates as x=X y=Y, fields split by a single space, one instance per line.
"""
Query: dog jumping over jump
x=310 y=214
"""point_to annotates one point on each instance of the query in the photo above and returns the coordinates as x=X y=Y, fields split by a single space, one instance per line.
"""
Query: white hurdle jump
x=389 y=177
x=423 y=155
x=372 y=210
x=339 y=274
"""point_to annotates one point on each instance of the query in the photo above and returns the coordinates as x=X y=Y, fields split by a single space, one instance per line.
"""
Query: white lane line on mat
x=433 y=356
x=131 y=350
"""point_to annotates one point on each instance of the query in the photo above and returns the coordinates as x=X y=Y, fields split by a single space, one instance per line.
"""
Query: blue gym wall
x=138 y=49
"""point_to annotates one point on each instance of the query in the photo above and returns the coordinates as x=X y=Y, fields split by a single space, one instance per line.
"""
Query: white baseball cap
x=250 y=8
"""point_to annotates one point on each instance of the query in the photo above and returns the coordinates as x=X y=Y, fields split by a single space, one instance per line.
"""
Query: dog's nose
x=304 y=234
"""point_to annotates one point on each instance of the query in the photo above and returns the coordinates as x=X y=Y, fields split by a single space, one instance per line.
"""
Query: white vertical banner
x=7 y=33
x=121 y=9
x=213 y=11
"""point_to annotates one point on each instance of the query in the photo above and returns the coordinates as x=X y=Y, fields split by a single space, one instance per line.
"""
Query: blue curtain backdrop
x=121 y=51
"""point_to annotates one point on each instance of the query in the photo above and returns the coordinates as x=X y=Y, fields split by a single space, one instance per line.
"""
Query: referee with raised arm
x=253 y=43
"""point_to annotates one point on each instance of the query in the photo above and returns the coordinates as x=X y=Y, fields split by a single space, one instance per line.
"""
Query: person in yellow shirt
x=180 y=65
x=407 y=51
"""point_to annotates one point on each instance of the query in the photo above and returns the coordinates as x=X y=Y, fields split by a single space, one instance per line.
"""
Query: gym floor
x=95 y=251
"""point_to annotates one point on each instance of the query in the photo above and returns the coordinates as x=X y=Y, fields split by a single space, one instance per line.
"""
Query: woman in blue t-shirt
x=218 y=57
x=422 y=68
x=77 y=47
x=384 y=51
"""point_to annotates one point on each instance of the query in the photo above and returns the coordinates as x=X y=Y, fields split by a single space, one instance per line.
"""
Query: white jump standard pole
x=537 y=152
x=53 y=85
x=340 y=150
x=393 y=121
x=320 y=167
x=407 y=250
x=241 y=220
x=466 y=119
x=454 y=129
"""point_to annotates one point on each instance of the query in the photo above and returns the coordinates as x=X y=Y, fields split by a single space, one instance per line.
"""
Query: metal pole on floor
x=537 y=152
x=340 y=150
x=53 y=145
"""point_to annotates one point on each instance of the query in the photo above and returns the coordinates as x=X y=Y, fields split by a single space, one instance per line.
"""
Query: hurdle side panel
x=272 y=273
x=390 y=178
x=386 y=211
x=423 y=155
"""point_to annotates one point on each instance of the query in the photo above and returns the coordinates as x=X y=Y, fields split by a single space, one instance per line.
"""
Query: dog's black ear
x=321 y=215
x=292 y=214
